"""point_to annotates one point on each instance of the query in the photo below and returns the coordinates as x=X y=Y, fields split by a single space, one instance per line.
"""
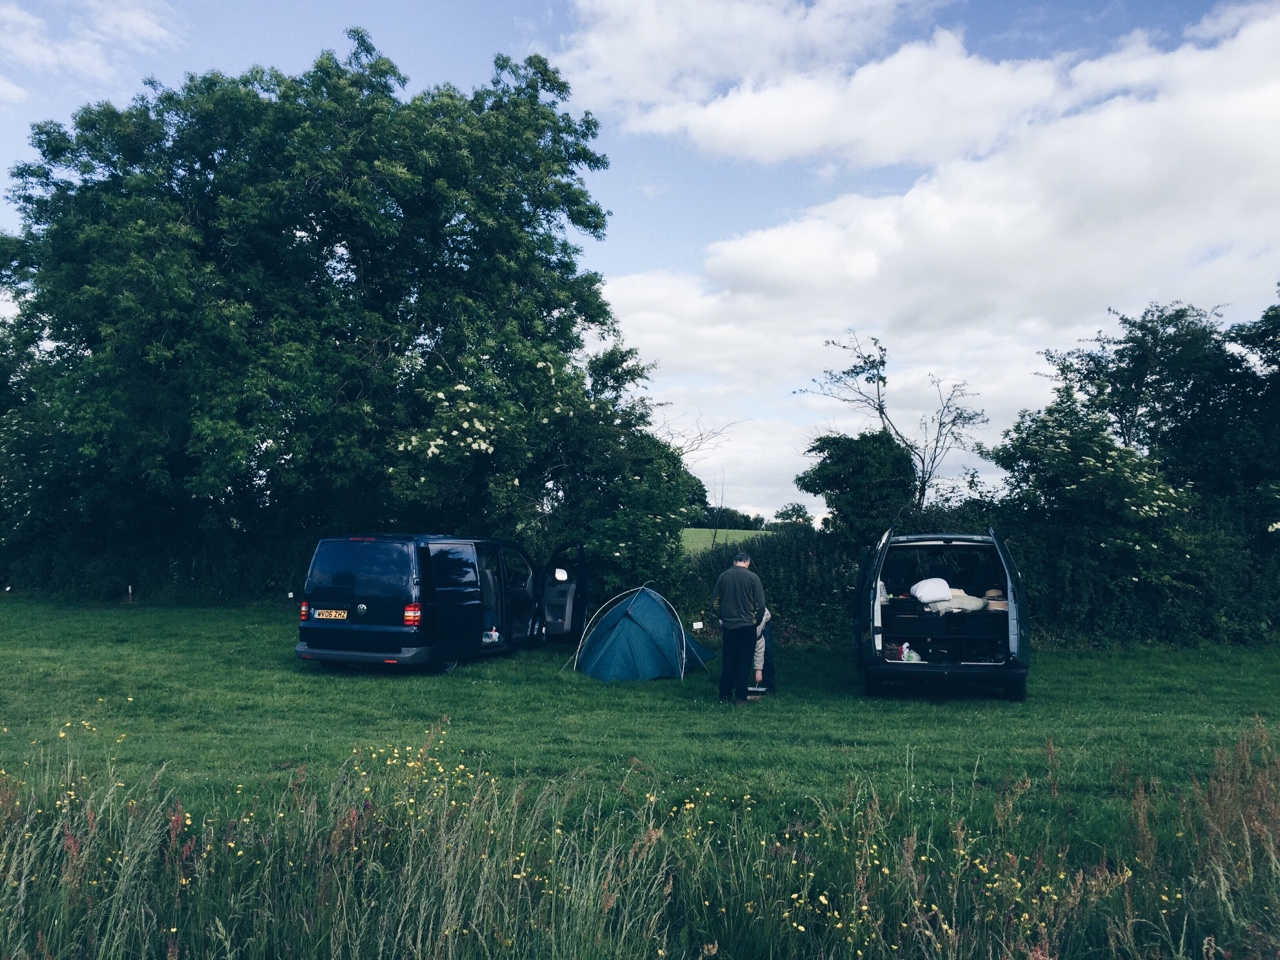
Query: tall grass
x=407 y=854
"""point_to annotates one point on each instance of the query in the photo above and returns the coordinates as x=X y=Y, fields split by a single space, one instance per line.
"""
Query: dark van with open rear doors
x=431 y=600
x=941 y=606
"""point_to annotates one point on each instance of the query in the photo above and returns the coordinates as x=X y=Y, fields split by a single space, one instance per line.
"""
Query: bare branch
x=690 y=440
x=864 y=385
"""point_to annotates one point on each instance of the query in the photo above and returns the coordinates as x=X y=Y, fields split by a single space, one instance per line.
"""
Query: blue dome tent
x=638 y=636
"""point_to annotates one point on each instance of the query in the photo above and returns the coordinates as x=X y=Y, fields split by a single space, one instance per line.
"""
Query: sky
x=971 y=182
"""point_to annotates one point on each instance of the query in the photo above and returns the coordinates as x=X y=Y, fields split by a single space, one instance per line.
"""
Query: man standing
x=738 y=602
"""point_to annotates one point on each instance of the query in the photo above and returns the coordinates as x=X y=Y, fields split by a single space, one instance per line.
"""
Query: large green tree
x=259 y=308
x=1142 y=495
x=1103 y=533
x=1175 y=385
x=869 y=483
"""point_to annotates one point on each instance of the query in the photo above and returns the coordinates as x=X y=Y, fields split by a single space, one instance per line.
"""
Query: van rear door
x=869 y=600
x=1019 y=647
x=357 y=584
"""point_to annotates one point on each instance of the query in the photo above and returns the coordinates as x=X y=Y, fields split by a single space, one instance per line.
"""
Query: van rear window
x=974 y=568
x=366 y=567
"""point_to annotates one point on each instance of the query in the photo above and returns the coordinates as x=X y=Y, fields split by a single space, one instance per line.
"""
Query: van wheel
x=448 y=666
x=872 y=686
x=1016 y=690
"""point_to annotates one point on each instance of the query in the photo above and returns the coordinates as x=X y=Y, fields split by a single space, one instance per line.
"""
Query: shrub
x=809 y=578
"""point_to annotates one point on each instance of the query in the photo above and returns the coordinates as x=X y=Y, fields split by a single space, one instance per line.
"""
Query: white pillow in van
x=932 y=590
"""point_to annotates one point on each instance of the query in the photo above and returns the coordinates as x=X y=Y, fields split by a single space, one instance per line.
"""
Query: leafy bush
x=808 y=576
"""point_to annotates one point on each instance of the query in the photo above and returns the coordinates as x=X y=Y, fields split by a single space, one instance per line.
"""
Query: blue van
x=430 y=600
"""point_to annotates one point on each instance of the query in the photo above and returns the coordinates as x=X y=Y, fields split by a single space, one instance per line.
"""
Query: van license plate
x=330 y=614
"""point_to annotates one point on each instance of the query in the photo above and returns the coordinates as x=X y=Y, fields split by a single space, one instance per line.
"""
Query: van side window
x=453 y=565
x=426 y=576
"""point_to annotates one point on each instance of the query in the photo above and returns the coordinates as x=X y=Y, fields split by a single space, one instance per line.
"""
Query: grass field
x=211 y=706
x=216 y=697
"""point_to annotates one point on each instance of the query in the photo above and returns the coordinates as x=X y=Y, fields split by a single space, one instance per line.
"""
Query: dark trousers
x=735 y=662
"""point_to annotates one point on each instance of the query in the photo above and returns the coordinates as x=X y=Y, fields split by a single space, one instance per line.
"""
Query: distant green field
x=696 y=539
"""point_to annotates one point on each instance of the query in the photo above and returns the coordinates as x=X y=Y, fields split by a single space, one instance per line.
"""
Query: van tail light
x=303 y=614
x=413 y=615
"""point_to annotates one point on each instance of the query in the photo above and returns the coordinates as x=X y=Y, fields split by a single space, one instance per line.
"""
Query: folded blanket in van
x=957 y=602
x=931 y=591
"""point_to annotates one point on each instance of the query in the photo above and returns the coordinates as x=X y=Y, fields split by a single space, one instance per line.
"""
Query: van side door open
x=564 y=594
x=519 y=586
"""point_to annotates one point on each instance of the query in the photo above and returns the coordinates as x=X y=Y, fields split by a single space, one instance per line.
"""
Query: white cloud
x=84 y=39
x=646 y=54
x=1053 y=191
x=925 y=103
x=10 y=92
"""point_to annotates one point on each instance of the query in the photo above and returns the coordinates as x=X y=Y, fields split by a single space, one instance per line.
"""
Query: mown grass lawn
x=214 y=700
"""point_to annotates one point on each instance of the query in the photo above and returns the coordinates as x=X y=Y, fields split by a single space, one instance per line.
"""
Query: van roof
x=941 y=539
x=431 y=537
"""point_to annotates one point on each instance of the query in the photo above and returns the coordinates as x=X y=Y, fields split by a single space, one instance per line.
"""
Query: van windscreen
x=375 y=568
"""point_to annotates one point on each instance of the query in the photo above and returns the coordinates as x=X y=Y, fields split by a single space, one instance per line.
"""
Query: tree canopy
x=1144 y=494
x=259 y=308
x=1142 y=502
x=869 y=483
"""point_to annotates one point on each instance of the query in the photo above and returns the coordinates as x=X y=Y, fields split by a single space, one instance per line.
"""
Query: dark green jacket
x=738 y=598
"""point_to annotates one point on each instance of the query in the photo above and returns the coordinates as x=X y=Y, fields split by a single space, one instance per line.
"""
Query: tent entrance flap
x=638 y=636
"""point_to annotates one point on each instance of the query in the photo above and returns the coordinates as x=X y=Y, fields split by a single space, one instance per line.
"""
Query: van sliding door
x=458 y=608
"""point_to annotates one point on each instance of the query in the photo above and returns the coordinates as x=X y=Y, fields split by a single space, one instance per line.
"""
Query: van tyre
x=872 y=686
x=1016 y=690
x=447 y=666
